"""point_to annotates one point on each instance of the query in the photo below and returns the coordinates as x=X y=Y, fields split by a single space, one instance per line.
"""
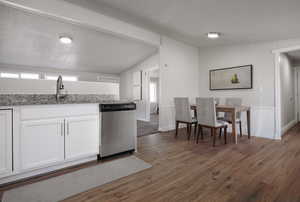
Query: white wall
x=287 y=82
x=126 y=85
x=179 y=75
x=261 y=97
x=22 y=86
x=126 y=77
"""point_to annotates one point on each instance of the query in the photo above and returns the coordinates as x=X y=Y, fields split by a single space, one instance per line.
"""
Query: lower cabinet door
x=5 y=142
x=41 y=143
x=82 y=137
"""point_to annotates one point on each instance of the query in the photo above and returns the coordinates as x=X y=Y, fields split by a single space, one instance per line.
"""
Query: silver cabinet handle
x=68 y=129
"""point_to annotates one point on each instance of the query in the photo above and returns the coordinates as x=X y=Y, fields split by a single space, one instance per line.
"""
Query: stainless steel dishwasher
x=118 y=128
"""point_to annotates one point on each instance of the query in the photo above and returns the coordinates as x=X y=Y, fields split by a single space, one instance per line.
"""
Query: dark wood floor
x=253 y=170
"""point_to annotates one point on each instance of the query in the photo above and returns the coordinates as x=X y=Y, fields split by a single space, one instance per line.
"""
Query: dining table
x=233 y=110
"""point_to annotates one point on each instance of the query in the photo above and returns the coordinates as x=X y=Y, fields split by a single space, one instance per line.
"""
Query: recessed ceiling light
x=65 y=39
x=213 y=35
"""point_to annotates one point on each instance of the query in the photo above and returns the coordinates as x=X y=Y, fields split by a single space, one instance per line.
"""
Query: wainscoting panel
x=166 y=118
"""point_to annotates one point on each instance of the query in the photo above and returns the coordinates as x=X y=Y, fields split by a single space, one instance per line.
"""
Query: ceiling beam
x=82 y=16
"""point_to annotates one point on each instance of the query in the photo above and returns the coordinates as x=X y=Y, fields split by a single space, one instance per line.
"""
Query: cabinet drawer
x=54 y=111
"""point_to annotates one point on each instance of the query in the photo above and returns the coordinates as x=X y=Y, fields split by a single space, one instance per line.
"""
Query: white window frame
x=33 y=76
x=9 y=75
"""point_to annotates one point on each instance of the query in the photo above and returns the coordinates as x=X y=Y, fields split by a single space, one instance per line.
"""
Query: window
x=65 y=78
x=29 y=76
x=36 y=76
x=47 y=77
x=69 y=78
x=153 y=92
x=9 y=75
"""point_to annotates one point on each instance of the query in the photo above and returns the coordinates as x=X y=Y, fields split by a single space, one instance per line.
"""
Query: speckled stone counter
x=47 y=99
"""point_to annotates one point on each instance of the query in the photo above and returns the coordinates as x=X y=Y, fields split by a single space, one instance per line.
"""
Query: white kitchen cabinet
x=82 y=136
x=41 y=143
x=5 y=142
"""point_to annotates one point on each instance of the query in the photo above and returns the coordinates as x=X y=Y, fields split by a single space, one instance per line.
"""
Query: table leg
x=248 y=123
x=233 y=114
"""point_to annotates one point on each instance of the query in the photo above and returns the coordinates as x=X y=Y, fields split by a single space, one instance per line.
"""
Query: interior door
x=42 y=143
x=82 y=136
x=5 y=142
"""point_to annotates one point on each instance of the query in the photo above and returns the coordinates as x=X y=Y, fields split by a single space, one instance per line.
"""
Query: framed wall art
x=231 y=78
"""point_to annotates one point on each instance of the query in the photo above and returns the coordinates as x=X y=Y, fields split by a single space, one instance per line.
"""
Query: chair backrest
x=233 y=102
x=217 y=102
x=182 y=109
x=206 y=111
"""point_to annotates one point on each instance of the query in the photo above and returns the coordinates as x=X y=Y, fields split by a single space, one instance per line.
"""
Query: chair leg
x=199 y=129
x=189 y=130
x=241 y=133
x=214 y=136
x=225 y=134
x=220 y=134
x=177 y=125
x=195 y=130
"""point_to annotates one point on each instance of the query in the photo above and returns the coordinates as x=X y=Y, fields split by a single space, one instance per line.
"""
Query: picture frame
x=231 y=78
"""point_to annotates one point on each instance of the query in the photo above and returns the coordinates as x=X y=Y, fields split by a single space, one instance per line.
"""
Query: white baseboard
x=288 y=126
x=166 y=128
x=139 y=119
x=170 y=127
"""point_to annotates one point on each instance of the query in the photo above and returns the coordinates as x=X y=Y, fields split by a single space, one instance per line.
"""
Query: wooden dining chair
x=183 y=115
x=206 y=116
x=228 y=116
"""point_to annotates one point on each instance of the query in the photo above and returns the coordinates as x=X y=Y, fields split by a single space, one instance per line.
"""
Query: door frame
x=277 y=90
x=157 y=67
x=297 y=94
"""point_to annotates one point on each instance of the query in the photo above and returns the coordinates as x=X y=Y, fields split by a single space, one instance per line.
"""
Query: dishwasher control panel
x=117 y=107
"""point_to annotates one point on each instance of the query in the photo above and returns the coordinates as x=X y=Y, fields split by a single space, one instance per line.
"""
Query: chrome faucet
x=59 y=88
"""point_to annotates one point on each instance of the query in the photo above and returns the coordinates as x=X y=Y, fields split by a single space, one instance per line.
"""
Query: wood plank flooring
x=253 y=170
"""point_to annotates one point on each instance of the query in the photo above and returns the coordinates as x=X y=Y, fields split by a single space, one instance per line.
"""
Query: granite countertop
x=49 y=99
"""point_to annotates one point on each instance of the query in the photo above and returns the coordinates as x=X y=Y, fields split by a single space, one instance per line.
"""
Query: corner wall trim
x=288 y=126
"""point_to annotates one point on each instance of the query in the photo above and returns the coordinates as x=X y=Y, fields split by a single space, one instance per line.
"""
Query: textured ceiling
x=32 y=40
x=240 y=21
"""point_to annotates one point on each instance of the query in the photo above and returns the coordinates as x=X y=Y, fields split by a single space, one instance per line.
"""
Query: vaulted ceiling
x=240 y=21
x=32 y=40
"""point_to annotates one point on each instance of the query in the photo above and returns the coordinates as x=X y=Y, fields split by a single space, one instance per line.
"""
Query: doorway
x=150 y=126
x=287 y=89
